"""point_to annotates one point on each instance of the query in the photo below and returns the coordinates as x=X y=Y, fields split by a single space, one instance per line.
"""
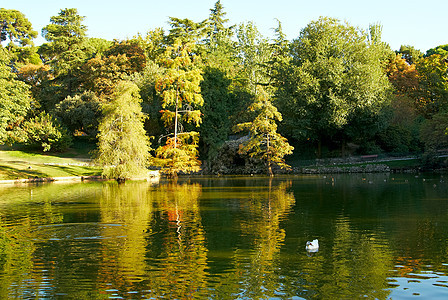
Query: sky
x=421 y=24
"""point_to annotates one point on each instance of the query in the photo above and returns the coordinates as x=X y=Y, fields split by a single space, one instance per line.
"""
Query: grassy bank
x=21 y=163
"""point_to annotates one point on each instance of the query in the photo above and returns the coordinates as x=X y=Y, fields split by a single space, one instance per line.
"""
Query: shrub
x=43 y=131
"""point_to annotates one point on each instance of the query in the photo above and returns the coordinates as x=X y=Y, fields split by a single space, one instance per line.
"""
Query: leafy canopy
x=265 y=143
x=123 y=146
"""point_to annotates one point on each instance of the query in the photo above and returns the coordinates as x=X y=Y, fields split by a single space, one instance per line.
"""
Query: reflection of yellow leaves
x=127 y=204
x=266 y=209
x=16 y=255
x=183 y=267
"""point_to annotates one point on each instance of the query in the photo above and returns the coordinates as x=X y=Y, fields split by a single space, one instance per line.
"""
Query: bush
x=43 y=131
x=80 y=113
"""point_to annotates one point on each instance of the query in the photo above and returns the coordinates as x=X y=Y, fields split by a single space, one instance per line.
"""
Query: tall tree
x=217 y=109
x=186 y=30
x=153 y=43
x=101 y=73
x=16 y=28
x=433 y=85
x=65 y=51
x=338 y=75
x=265 y=143
x=15 y=99
x=410 y=54
x=216 y=22
x=180 y=89
x=123 y=147
x=441 y=50
x=254 y=52
x=220 y=52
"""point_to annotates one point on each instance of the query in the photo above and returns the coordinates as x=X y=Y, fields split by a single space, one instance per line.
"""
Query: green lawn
x=20 y=163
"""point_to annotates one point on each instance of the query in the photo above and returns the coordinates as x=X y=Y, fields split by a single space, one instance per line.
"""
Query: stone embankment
x=374 y=168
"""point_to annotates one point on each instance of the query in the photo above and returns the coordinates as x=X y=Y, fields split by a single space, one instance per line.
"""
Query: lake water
x=381 y=236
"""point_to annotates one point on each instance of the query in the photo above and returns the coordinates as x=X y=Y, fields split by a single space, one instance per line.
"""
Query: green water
x=382 y=236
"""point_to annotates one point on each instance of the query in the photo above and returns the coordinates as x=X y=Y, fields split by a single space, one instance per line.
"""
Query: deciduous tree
x=123 y=146
x=179 y=87
x=433 y=85
x=337 y=76
x=15 y=99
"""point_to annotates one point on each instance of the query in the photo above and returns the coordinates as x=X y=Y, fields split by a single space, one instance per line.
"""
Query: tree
x=217 y=109
x=153 y=43
x=35 y=76
x=216 y=23
x=123 y=147
x=220 y=51
x=265 y=143
x=65 y=51
x=15 y=99
x=45 y=132
x=402 y=132
x=15 y=27
x=179 y=88
x=434 y=132
x=410 y=54
x=254 y=52
x=186 y=30
x=441 y=50
x=101 y=73
x=80 y=113
x=280 y=59
x=336 y=76
x=433 y=85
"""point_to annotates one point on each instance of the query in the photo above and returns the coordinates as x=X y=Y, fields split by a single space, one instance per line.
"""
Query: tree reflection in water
x=225 y=238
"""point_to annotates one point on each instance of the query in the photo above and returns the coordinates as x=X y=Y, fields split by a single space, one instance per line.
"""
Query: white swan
x=312 y=246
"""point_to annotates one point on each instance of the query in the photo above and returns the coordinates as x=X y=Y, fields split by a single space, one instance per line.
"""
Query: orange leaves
x=402 y=75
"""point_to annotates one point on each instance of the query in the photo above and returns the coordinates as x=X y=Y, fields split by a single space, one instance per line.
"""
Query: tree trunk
x=270 y=173
x=319 y=149
x=175 y=119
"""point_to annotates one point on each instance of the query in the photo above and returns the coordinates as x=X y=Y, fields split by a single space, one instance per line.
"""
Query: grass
x=16 y=162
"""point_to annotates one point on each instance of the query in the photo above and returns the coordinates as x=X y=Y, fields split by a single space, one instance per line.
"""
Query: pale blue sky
x=421 y=24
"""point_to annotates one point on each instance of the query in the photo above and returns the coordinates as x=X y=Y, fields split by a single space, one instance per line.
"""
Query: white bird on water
x=312 y=246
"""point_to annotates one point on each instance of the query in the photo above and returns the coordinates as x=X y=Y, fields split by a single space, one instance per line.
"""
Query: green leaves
x=264 y=141
x=123 y=147
x=180 y=89
x=15 y=99
x=66 y=34
x=336 y=73
x=15 y=27
x=44 y=132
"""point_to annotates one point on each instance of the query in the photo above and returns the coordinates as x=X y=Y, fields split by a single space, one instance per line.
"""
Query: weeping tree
x=123 y=147
x=265 y=143
x=179 y=87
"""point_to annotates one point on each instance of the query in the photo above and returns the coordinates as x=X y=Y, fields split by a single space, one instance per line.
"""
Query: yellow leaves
x=178 y=155
x=167 y=117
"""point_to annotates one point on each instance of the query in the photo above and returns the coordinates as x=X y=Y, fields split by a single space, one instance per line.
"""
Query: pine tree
x=265 y=143
x=66 y=49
